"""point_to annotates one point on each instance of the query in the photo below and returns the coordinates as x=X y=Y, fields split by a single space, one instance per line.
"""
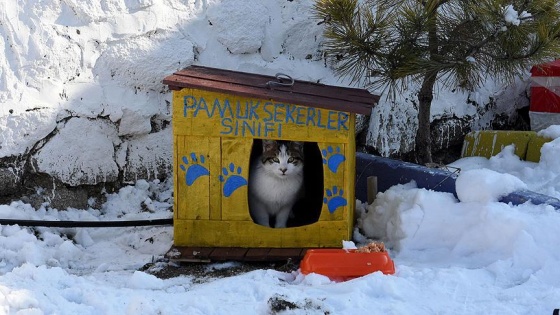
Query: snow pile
x=539 y=177
x=483 y=185
x=77 y=248
x=552 y=132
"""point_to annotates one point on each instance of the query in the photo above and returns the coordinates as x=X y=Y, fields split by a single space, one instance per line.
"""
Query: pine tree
x=390 y=44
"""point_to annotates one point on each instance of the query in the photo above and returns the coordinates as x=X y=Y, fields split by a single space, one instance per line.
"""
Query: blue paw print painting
x=334 y=199
x=232 y=179
x=332 y=158
x=194 y=168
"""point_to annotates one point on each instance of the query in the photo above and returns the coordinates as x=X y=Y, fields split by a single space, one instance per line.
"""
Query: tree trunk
x=423 y=142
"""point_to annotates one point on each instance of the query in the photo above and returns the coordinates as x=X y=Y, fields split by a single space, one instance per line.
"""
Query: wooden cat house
x=219 y=120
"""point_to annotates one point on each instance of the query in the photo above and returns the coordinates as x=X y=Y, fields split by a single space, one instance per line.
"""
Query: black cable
x=86 y=224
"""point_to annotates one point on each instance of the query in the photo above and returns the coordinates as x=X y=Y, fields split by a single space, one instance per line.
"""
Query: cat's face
x=282 y=158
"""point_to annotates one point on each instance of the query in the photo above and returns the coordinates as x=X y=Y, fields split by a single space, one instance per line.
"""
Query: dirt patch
x=279 y=304
x=203 y=272
x=207 y=272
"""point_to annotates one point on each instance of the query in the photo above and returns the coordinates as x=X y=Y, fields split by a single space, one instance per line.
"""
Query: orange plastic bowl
x=345 y=264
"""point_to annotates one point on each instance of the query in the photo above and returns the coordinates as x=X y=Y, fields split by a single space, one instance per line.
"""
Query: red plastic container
x=345 y=264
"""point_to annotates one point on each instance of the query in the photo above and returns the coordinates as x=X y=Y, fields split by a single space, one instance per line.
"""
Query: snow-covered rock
x=148 y=156
x=81 y=153
x=240 y=33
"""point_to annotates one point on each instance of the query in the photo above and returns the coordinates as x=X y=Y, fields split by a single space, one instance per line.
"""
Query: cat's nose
x=283 y=170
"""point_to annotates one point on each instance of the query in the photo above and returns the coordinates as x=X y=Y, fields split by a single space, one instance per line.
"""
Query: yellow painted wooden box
x=219 y=119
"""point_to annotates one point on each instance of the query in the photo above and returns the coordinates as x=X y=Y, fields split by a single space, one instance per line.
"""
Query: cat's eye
x=291 y=160
x=275 y=160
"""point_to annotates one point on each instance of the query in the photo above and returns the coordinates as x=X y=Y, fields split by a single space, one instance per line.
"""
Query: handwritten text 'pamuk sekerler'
x=261 y=118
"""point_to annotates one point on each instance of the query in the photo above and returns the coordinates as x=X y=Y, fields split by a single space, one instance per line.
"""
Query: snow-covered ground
x=468 y=256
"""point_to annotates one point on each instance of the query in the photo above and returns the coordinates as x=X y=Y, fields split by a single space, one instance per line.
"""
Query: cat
x=276 y=182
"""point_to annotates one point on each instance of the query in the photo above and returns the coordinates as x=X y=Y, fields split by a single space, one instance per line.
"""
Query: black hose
x=86 y=224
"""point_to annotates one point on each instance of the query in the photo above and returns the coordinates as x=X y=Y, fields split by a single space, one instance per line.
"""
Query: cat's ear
x=298 y=145
x=268 y=145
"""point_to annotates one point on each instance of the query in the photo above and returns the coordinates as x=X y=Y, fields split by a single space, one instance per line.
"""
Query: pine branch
x=390 y=42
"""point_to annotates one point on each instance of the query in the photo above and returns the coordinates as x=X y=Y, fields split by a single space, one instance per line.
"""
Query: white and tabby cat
x=276 y=182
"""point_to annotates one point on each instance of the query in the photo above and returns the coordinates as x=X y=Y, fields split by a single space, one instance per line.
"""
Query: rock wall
x=83 y=106
x=83 y=109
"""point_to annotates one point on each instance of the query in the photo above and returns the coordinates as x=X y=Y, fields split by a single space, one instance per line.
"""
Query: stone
x=9 y=181
x=148 y=157
x=81 y=153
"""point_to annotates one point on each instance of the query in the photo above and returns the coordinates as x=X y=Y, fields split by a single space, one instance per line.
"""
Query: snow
x=68 y=62
x=539 y=177
x=490 y=185
x=552 y=132
x=467 y=255
x=513 y=17
x=94 y=155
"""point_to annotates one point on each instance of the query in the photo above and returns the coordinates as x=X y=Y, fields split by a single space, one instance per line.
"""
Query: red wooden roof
x=255 y=85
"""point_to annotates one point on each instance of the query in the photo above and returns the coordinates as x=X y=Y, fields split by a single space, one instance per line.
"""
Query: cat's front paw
x=232 y=179
x=334 y=199
x=194 y=168
x=332 y=158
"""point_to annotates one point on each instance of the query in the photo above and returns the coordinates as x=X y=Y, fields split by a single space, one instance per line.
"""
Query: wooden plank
x=304 y=235
x=285 y=253
x=211 y=114
x=336 y=158
x=259 y=80
x=257 y=254
x=234 y=179
x=231 y=76
x=245 y=254
x=228 y=253
x=193 y=189
x=190 y=254
x=276 y=95
x=324 y=100
x=350 y=178
x=176 y=141
x=215 y=166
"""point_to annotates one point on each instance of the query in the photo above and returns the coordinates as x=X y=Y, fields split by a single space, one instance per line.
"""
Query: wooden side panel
x=234 y=178
x=335 y=194
x=351 y=177
x=176 y=141
x=194 y=164
x=206 y=113
x=213 y=137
